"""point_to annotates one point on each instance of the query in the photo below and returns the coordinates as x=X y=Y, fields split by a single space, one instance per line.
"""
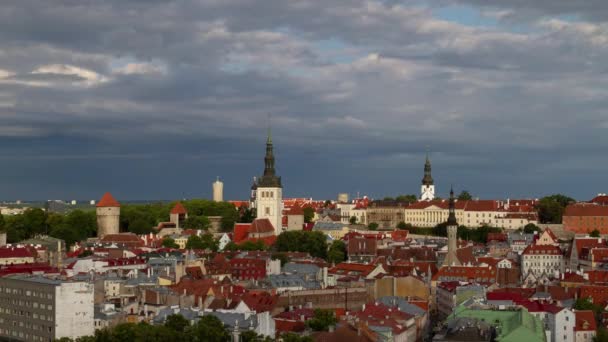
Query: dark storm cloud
x=124 y=95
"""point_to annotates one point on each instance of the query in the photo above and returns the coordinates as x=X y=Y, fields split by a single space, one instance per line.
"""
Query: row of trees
x=78 y=225
x=314 y=243
x=207 y=329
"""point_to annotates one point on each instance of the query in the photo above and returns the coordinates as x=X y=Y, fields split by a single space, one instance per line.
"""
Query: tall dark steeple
x=428 y=179
x=451 y=259
x=269 y=179
x=452 y=210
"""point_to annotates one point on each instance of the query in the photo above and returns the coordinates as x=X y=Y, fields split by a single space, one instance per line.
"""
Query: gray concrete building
x=33 y=308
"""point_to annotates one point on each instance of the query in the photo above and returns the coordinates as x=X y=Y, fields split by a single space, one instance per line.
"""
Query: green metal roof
x=512 y=325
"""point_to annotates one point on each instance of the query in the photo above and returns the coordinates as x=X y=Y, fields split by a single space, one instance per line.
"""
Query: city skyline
x=153 y=101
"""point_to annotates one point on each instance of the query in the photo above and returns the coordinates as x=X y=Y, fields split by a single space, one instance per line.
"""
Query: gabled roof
x=108 y=201
x=240 y=231
x=261 y=225
x=585 y=320
x=178 y=208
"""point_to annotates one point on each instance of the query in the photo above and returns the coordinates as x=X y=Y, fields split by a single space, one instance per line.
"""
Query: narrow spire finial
x=269 y=140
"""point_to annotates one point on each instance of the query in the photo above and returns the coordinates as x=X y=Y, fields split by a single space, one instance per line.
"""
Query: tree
x=337 y=252
x=388 y=199
x=282 y=257
x=313 y=242
x=293 y=337
x=169 y=243
x=464 y=196
x=140 y=226
x=209 y=329
x=204 y=242
x=406 y=198
x=372 y=226
x=322 y=320
x=252 y=336
x=353 y=220
x=531 y=228
x=197 y=222
x=327 y=204
x=309 y=214
x=551 y=208
x=601 y=335
x=246 y=215
x=177 y=323
x=595 y=233
x=404 y=226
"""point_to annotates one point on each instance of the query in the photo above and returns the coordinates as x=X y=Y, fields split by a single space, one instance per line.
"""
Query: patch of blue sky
x=336 y=51
x=465 y=15
x=486 y=18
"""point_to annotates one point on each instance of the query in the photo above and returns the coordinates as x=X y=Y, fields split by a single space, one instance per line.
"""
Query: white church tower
x=427 y=191
x=269 y=191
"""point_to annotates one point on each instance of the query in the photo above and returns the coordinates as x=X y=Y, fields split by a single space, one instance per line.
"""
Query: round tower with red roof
x=108 y=216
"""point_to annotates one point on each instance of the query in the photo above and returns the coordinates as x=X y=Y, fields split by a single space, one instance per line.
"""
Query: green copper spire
x=269 y=179
x=427 y=179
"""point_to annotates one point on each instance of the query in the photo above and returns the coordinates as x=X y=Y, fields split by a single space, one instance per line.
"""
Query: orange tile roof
x=178 y=208
x=107 y=201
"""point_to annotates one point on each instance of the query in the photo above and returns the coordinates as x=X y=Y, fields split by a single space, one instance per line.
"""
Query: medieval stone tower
x=178 y=215
x=427 y=190
x=451 y=258
x=269 y=191
x=108 y=216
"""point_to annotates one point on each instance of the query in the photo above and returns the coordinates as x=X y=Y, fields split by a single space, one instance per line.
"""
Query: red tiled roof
x=107 y=201
x=466 y=273
x=586 y=242
x=551 y=234
x=600 y=199
x=178 y=208
x=15 y=252
x=586 y=209
x=504 y=296
x=598 y=294
x=261 y=225
x=260 y=301
x=572 y=277
x=585 y=320
x=598 y=277
x=542 y=249
x=240 y=231
x=122 y=237
x=497 y=237
x=533 y=306
x=346 y=268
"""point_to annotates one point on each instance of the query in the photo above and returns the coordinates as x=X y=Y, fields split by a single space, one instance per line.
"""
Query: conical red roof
x=178 y=208
x=108 y=201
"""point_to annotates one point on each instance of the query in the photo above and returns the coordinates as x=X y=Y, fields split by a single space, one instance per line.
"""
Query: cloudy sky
x=152 y=99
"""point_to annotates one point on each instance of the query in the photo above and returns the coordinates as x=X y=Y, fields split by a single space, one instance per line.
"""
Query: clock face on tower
x=427 y=193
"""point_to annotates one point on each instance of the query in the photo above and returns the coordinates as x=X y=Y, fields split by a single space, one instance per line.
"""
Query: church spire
x=427 y=179
x=269 y=179
x=452 y=210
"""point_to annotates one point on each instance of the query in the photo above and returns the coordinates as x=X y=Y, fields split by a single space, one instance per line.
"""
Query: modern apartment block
x=33 y=308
